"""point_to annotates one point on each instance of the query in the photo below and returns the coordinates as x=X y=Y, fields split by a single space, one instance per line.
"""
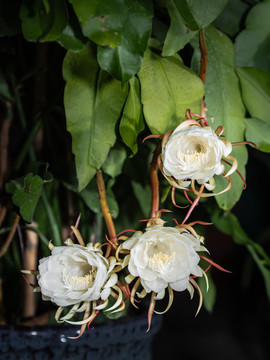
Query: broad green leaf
x=225 y=107
x=143 y=195
x=132 y=122
x=80 y=70
x=26 y=193
x=252 y=45
x=178 y=34
x=258 y=131
x=84 y=9
x=229 y=224
x=93 y=102
x=168 y=89
x=255 y=85
x=115 y=161
x=230 y=20
x=69 y=40
x=43 y=21
x=200 y=13
x=122 y=29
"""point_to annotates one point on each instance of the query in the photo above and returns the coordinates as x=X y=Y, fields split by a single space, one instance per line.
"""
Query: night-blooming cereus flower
x=193 y=152
x=81 y=278
x=164 y=257
x=72 y=274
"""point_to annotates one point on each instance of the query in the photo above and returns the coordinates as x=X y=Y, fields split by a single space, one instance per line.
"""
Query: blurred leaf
x=111 y=200
x=225 y=107
x=43 y=21
x=115 y=161
x=168 y=88
x=4 y=88
x=178 y=34
x=26 y=193
x=199 y=14
x=132 y=122
x=258 y=131
x=255 y=85
x=143 y=195
x=93 y=102
x=230 y=20
x=10 y=23
x=122 y=28
x=229 y=224
x=209 y=297
x=252 y=45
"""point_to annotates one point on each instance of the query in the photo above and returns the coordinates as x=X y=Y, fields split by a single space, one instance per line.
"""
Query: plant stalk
x=104 y=207
x=154 y=182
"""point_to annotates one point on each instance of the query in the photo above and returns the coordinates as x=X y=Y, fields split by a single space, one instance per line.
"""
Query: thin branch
x=104 y=207
x=155 y=182
x=6 y=244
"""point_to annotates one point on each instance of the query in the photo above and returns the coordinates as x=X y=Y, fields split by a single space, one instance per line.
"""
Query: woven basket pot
x=116 y=340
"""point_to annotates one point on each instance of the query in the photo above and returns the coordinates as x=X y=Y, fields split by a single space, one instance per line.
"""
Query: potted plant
x=124 y=138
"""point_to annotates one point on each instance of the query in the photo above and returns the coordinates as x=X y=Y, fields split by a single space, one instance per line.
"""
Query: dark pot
x=119 y=340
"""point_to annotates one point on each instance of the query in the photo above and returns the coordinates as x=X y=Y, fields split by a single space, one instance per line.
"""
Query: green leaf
x=122 y=28
x=84 y=10
x=255 y=85
x=115 y=161
x=168 y=88
x=93 y=102
x=230 y=20
x=43 y=21
x=143 y=195
x=252 y=45
x=229 y=224
x=178 y=34
x=72 y=37
x=200 y=13
x=258 y=131
x=132 y=122
x=26 y=193
x=225 y=107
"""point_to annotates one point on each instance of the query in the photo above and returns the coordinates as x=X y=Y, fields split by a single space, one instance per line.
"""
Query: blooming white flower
x=164 y=256
x=193 y=152
x=74 y=273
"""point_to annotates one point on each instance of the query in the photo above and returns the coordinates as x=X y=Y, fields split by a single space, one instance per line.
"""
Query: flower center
x=159 y=261
x=199 y=154
x=80 y=282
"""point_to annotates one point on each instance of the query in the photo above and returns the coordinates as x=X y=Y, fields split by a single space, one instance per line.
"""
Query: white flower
x=163 y=256
x=194 y=152
x=72 y=274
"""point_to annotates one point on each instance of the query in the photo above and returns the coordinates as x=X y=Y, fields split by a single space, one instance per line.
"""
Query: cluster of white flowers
x=160 y=258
